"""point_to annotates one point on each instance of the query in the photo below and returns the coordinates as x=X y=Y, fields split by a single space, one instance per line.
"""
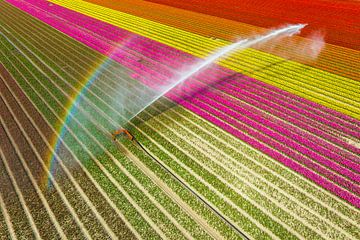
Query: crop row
x=117 y=37
x=333 y=58
x=186 y=37
x=187 y=221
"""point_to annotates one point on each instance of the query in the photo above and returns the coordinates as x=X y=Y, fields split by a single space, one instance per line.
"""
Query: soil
x=33 y=202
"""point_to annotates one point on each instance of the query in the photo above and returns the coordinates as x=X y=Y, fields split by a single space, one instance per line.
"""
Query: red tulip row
x=318 y=14
x=154 y=64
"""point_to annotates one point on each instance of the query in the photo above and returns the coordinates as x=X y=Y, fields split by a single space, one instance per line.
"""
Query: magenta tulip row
x=269 y=134
x=118 y=35
x=293 y=134
x=290 y=101
x=176 y=59
x=253 y=118
x=242 y=88
x=321 y=181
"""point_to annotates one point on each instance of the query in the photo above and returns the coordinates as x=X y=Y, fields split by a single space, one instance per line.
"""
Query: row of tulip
x=248 y=60
x=144 y=69
x=123 y=204
x=116 y=34
x=150 y=134
x=221 y=226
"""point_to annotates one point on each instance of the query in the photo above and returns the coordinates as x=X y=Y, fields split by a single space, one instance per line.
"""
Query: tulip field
x=263 y=144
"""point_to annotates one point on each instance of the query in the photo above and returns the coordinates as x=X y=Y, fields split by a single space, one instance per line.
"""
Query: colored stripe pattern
x=261 y=196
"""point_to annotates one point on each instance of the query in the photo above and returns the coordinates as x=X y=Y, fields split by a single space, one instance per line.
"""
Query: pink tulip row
x=117 y=34
x=251 y=96
x=167 y=55
x=139 y=49
x=285 y=129
x=288 y=100
x=321 y=181
x=140 y=65
x=242 y=88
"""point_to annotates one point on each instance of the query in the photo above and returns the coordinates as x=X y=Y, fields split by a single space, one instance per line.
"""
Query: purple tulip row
x=141 y=50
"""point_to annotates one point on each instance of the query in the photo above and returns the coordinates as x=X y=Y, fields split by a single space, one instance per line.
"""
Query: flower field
x=261 y=145
x=319 y=14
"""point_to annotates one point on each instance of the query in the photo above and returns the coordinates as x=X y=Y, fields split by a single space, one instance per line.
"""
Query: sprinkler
x=122 y=131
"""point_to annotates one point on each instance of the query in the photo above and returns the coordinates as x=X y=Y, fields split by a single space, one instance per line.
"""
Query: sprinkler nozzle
x=122 y=131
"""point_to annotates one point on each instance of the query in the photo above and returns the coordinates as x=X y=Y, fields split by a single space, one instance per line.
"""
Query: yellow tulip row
x=328 y=89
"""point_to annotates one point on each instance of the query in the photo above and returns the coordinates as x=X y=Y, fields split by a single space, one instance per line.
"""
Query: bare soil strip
x=6 y=226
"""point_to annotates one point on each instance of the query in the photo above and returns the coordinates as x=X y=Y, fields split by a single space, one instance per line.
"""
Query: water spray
x=287 y=31
x=243 y=44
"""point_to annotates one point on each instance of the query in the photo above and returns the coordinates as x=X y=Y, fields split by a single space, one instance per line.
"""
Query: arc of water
x=289 y=30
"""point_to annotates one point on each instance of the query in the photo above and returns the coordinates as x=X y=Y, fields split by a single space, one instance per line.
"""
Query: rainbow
x=75 y=98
